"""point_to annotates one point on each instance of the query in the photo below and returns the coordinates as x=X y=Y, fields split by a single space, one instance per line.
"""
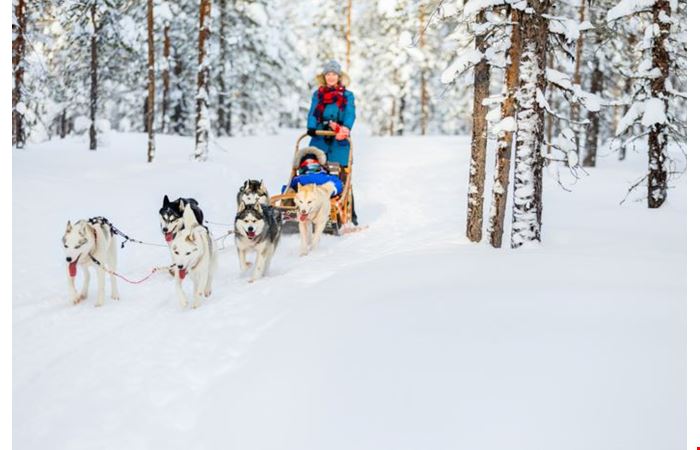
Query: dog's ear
x=189 y=218
x=166 y=200
x=241 y=207
x=182 y=205
x=69 y=227
x=258 y=208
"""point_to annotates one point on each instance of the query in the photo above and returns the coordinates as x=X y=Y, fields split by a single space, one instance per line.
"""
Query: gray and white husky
x=85 y=242
x=194 y=255
x=258 y=229
x=252 y=192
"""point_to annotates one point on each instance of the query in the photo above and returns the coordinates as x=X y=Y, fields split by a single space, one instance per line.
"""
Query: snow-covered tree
x=202 y=123
x=658 y=85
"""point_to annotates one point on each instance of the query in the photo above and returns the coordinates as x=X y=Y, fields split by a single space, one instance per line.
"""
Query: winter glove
x=342 y=133
x=334 y=126
x=311 y=132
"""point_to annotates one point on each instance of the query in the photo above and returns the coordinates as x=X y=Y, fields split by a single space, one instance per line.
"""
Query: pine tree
x=202 y=123
x=19 y=25
x=150 y=112
x=477 y=167
x=505 y=135
x=654 y=90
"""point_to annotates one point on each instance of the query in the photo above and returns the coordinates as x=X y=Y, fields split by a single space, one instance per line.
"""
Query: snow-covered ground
x=403 y=336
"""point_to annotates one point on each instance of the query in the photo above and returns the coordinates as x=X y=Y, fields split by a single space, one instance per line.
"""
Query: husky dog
x=194 y=254
x=314 y=203
x=171 y=215
x=258 y=228
x=90 y=243
x=252 y=192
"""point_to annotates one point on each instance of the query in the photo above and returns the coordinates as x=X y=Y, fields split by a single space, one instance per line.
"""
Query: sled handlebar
x=325 y=133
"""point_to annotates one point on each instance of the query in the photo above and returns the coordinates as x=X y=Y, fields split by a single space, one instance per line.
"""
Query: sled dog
x=90 y=243
x=171 y=215
x=194 y=255
x=252 y=192
x=258 y=229
x=314 y=203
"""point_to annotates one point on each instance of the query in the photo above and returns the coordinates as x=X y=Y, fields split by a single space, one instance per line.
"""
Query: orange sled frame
x=341 y=205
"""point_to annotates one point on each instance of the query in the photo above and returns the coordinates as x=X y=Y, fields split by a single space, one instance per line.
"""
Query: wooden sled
x=340 y=217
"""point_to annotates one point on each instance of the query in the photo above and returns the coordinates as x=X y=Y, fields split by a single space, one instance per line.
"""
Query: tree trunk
x=202 y=124
x=477 y=166
x=223 y=113
x=592 y=136
x=577 y=70
x=179 y=109
x=151 y=85
x=347 y=37
x=166 y=79
x=63 y=124
x=93 y=77
x=505 y=138
x=423 y=75
x=527 y=180
x=18 y=50
x=658 y=138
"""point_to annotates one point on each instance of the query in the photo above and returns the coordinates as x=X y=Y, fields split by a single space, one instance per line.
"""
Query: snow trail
x=400 y=336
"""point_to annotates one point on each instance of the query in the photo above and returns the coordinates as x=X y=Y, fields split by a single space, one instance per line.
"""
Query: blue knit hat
x=332 y=66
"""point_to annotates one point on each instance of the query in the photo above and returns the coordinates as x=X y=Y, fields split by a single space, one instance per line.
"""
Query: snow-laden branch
x=629 y=7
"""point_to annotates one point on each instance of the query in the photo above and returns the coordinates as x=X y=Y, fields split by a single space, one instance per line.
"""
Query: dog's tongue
x=251 y=234
x=303 y=216
x=73 y=268
x=168 y=237
x=182 y=273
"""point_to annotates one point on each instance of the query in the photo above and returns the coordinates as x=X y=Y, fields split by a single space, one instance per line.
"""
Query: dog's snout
x=251 y=229
x=165 y=230
x=69 y=259
x=180 y=266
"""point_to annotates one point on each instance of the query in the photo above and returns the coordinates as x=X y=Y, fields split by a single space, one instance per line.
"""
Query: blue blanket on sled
x=316 y=178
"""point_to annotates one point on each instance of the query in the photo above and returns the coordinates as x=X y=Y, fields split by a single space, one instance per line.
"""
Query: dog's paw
x=207 y=293
x=303 y=253
x=75 y=300
x=252 y=280
x=98 y=305
x=114 y=296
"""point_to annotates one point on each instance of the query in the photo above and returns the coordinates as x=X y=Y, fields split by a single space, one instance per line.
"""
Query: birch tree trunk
x=202 y=123
x=93 y=76
x=658 y=138
x=477 y=166
x=18 y=50
x=151 y=85
x=505 y=139
x=527 y=180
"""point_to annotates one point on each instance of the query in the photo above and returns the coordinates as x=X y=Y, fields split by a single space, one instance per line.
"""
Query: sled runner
x=341 y=204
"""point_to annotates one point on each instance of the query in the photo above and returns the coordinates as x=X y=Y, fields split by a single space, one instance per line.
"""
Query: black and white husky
x=90 y=243
x=252 y=192
x=171 y=215
x=258 y=229
x=194 y=255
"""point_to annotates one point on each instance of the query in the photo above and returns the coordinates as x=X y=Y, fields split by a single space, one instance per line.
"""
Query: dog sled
x=340 y=216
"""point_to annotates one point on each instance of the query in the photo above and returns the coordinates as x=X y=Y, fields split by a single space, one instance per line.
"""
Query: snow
x=627 y=8
x=461 y=63
x=402 y=336
x=654 y=112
